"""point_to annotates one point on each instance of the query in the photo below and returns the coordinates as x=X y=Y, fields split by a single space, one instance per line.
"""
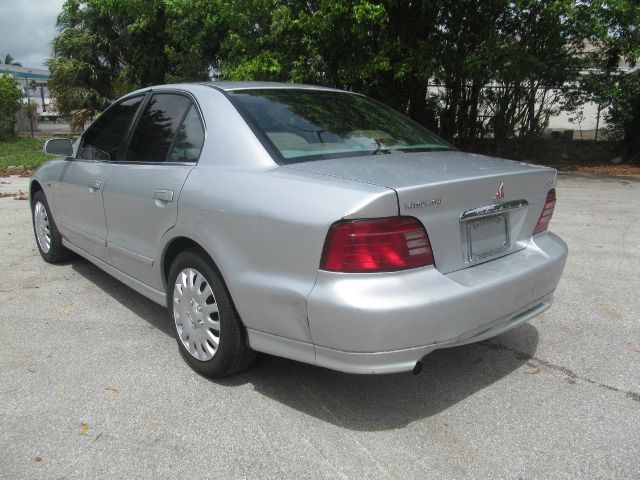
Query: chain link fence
x=587 y=122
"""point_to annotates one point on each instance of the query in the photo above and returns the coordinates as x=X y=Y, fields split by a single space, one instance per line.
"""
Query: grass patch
x=22 y=152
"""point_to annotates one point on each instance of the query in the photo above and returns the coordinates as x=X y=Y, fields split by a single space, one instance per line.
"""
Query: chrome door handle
x=95 y=185
x=163 y=195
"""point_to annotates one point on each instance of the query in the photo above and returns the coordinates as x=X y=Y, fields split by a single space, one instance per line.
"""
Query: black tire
x=57 y=252
x=233 y=353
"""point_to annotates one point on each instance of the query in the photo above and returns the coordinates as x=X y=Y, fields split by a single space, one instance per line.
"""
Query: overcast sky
x=27 y=28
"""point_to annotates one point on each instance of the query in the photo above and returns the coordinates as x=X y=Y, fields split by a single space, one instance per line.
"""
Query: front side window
x=304 y=124
x=103 y=139
x=158 y=128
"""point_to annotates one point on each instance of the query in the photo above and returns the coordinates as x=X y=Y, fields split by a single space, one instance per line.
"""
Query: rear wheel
x=48 y=238
x=207 y=328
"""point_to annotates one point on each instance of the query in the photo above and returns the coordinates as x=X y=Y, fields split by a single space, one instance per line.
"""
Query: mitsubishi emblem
x=500 y=192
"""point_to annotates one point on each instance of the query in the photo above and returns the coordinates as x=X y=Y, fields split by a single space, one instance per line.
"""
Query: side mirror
x=58 y=146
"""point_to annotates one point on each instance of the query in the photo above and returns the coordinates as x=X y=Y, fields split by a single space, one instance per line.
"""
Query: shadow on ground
x=150 y=311
x=358 y=402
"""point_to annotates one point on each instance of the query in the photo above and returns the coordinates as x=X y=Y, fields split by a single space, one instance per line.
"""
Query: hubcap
x=195 y=312
x=41 y=225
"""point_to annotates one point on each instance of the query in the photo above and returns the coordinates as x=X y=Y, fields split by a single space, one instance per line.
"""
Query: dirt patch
x=13 y=170
x=602 y=169
x=16 y=196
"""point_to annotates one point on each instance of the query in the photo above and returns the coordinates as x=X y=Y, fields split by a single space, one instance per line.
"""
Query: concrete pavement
x=92 y=384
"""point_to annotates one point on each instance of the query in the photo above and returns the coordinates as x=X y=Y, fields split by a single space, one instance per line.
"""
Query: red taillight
x=547 y=212
x=380 y=245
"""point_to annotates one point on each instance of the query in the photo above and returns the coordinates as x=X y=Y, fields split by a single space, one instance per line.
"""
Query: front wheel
x=48 y=238
x=207 y=328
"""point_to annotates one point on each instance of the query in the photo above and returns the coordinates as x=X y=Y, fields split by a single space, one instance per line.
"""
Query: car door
x=78 y=196
x=141 y=192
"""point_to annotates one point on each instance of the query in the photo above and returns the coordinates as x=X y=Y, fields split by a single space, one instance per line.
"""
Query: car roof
x=229 y=86
x=232 y=86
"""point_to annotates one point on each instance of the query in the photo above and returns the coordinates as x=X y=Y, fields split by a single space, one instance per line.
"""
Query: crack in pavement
x=571 y=375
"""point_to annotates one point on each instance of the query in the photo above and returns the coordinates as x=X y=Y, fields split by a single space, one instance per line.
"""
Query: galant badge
x=500 y=192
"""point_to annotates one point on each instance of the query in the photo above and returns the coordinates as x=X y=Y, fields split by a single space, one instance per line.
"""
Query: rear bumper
x=384 y=323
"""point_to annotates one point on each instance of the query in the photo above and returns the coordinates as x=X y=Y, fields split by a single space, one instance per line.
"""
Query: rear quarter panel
x=265 y=231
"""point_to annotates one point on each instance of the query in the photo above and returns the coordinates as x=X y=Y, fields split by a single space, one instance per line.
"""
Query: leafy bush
x=10 y=101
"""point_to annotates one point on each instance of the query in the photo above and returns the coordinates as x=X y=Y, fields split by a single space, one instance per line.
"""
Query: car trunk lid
x=475 y=208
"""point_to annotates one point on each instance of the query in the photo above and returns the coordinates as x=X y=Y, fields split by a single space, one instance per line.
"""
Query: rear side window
x=103 y=139
x=163 y=128
x=189 y=139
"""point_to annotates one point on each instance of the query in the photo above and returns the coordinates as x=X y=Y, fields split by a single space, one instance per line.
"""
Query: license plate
x=487 y=237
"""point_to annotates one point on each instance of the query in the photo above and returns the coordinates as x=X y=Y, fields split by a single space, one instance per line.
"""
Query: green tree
x=105 y=48
x=10 y=102
x=194 y=30
x=500 y=63
x=608 y=77
x=621 y=88
x=384 y=49
x=394 y=49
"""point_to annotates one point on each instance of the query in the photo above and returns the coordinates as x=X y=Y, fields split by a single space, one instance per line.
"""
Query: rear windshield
x=304 y=125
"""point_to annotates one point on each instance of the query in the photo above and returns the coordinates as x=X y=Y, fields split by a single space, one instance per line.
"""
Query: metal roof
x=24 y=72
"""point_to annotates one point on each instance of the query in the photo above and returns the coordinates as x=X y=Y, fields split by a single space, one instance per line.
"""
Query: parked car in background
x=300 y=221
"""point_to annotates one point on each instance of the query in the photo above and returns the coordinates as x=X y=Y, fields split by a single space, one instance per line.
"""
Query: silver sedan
x=300 y=221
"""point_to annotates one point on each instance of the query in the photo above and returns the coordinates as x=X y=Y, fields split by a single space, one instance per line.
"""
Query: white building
x=28 y=78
